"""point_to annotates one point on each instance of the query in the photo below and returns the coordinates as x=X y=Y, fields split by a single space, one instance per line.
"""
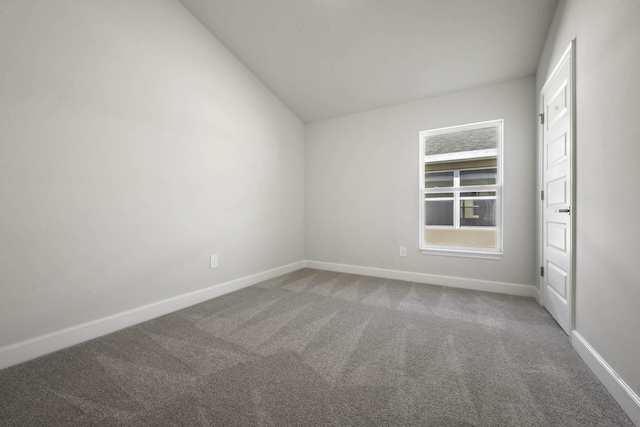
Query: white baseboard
x=433 y=279
x=628 y=400
x=537 y=295
x=621 y=392
x=39 y=346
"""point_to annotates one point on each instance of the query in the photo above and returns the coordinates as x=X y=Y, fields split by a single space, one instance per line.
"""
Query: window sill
x=461 y=253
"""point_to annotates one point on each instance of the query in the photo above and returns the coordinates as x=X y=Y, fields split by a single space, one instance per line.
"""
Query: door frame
x=570 y=56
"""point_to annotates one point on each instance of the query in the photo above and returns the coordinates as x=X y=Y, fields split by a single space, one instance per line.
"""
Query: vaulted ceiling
x=328 y=58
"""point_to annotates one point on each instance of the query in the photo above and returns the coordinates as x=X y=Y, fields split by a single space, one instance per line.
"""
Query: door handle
x=567 y=210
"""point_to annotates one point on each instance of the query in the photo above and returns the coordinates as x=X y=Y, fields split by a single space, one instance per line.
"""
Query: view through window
x=461 y=188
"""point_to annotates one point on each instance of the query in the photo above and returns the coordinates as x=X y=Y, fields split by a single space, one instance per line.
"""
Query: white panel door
x=557 y=230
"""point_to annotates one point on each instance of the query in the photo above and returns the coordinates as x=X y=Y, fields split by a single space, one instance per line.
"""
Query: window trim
x=498 y=187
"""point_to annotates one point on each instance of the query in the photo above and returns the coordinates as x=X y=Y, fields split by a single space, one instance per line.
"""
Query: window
x=461 y=190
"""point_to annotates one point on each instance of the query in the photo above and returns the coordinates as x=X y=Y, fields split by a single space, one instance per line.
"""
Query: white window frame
x=462 y=251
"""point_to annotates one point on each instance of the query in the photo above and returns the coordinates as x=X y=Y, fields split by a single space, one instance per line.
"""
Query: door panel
x=557 y=235
x=558 y=104
x=557 y=150
x=557 y=192
x=558 y=279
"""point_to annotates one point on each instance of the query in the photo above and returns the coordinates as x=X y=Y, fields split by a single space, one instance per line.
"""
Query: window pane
x=438 y=212
x=462 y=141
x=438 y=179
x=476 y=194
x=438 y=196
x=478 y=176
x=478 y=212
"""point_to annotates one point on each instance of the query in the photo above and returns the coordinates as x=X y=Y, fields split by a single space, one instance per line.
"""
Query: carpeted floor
x=319 y=348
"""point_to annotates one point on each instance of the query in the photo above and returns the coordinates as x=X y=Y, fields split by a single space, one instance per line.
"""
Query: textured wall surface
x=607 y=127
x=363 y=176
x=132 y=146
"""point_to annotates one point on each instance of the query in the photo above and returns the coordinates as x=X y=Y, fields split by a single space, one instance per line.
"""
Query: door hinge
x=541 y=271
x=542 y=195
x=541 y=115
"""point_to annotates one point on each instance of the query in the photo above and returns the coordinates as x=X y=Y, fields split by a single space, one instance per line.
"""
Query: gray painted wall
x=132 y=146
x=608 y=147
x=362 y=184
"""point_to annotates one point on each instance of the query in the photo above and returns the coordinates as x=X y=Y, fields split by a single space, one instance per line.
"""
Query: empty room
x=319 y=212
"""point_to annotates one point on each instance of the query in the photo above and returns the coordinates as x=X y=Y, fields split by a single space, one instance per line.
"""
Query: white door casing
x=558 y=153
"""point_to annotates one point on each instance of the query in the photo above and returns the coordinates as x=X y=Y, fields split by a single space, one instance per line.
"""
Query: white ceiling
x=328 y=58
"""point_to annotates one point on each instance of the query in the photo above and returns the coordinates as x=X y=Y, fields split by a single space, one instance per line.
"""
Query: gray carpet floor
x=319 y=348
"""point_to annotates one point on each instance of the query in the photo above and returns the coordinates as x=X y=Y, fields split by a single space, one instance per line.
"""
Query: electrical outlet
x=403 y=251
x=214 y=261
